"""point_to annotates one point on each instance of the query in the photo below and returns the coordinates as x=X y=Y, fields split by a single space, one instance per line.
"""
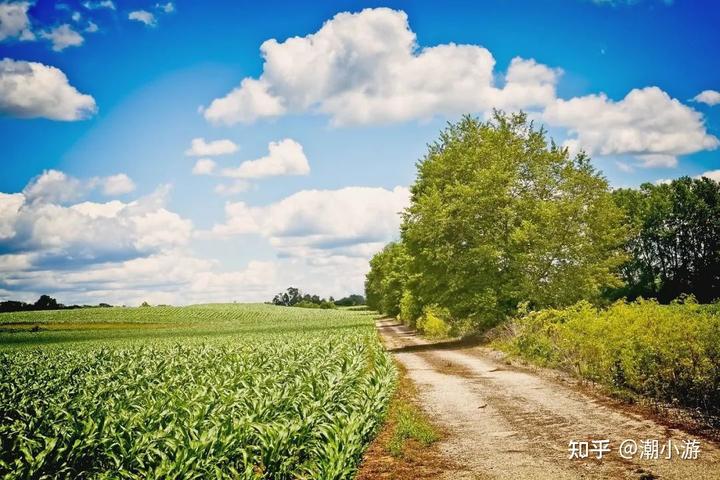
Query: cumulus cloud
x=14 y=21
x=250 y=101
x=351 y=221
x=172 y=277
x=133 y=251
x=117 y=184
x=709 y=97
x=10 y=204
x=366 y=67
x=117 y=252
x=92 y=27
x=62 y=37
x=200 y=148
x=285 y=157
x=31 y=89
x=90 y=231
x=204 y=166
x=647 y=124
x=54 y=186
x=143 y=16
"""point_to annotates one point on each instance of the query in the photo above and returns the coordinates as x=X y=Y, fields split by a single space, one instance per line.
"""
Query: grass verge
x=405 y=447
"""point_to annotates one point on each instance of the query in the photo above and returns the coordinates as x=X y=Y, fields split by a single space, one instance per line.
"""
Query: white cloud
x=285 y=157
x=128 y=252
x=30 y=89
x=200 y=148
x=88 y=231
x=10 y=204
x=14 y=21
x=366 y=68
x=363 y=68
x=166 y=7
x=321 y=234
x=171 y=277
x=102 y=4
x=12 y=263
x=204 y=166
x=54 y=186
x=91 y=27
x=63 y=37
x=250 y=101
x=143 y=16
x=647 y=124
x=117 y=184
x=710 y=97
x=349 y=220
x=116 y=252
x=76 y=16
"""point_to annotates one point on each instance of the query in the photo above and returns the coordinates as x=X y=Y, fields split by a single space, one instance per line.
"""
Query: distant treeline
x=293 y=297
x=502 y=217
x=45 y=302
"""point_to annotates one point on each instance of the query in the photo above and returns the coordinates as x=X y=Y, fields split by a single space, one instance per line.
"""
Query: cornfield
x=225 y=392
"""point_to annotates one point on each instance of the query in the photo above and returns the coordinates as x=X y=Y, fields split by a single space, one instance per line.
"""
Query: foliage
x=410 y=424
x=324 y=304
x=434 y=322
x=45 y=302
x=293 y=297
x=227 y=391
x=667 y=352
x=385 y=282
x=288 y=298
x=499 y=215
x=410 y=308
x=675 y=247
x=350 y=301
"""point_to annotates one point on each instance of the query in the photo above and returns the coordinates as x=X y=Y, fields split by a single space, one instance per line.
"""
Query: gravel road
x=506 y=422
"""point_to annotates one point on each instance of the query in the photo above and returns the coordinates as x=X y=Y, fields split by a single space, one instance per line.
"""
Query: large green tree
x=500 y=215
x=675 y=244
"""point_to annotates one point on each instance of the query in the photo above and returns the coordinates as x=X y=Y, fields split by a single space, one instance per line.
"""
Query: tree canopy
x=675 y=244
x=500 y=215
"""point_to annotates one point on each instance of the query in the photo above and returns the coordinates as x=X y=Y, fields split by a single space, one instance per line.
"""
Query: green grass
x=221 y=391
x=410 y=425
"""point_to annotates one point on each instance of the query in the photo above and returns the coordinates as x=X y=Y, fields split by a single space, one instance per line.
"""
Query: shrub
x=666 y=352
x=434 y=322
x=324 y=304
x=410 y=309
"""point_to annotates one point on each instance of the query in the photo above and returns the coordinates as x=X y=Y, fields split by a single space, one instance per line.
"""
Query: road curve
x=505 y=422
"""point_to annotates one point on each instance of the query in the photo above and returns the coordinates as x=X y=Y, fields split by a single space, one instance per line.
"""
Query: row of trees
x=45 y=302
x=501 y=216
x=674 y=246
x=293 y=297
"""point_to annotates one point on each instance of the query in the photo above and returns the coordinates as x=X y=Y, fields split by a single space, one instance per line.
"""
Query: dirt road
x=505 y=422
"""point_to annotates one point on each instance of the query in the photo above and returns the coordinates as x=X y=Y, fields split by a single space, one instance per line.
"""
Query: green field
x=210 y=391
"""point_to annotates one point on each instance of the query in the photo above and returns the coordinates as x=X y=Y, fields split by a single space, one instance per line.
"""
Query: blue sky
x=105 y=199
